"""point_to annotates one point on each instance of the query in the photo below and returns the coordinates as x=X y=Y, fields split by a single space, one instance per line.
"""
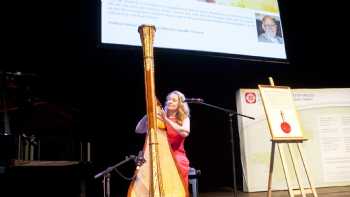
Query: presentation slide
x=324 y=116
x=233 y=27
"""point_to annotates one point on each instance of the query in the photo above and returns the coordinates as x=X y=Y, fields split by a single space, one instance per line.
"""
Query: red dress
x=177 y=145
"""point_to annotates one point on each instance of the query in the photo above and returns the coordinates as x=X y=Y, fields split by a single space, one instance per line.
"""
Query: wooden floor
x=321 y=192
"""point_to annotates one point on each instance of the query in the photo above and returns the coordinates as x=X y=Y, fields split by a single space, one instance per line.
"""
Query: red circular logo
x=250 y=97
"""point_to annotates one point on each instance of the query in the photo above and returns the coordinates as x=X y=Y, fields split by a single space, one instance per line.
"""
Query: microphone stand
x=230 y=114
x=107 y=175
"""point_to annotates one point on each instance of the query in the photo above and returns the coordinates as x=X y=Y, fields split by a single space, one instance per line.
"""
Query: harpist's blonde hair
x=183 y=110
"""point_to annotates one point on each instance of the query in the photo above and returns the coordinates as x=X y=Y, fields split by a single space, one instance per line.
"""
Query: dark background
x=72 y=89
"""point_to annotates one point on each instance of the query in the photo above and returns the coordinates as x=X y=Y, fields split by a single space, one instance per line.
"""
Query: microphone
x=193 y=100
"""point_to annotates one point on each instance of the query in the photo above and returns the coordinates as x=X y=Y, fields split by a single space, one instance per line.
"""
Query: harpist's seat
x=193 y=180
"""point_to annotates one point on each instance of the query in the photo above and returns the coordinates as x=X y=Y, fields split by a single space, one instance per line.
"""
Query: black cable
x=125 y=177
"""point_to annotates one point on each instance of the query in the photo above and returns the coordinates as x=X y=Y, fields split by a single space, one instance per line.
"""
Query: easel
x=296 y=138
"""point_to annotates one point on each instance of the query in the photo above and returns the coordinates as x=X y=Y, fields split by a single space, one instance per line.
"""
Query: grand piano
x=41 y=150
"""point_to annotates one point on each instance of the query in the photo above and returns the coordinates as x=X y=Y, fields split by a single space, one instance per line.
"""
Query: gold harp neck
x=147 y=36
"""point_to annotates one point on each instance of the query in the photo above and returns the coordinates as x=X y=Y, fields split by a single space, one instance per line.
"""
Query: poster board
x=325 y=119
x=281 y=113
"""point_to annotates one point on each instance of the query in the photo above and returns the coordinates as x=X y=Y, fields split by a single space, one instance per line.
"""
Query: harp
x=159 y=176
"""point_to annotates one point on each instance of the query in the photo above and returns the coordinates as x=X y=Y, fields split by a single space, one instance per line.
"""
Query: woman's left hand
x=161 y=114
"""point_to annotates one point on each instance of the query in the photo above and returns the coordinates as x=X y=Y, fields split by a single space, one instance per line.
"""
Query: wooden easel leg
x=285 y=169
x=296 y=170
x=272 y=158
x=306 y=170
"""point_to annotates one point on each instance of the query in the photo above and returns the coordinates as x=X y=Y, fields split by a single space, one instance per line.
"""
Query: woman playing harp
x=176 y=117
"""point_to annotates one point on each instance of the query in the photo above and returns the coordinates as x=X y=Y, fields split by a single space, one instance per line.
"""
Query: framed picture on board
x=281 y=113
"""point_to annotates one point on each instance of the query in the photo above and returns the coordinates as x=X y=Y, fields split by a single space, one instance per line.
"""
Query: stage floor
x=321 y=192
